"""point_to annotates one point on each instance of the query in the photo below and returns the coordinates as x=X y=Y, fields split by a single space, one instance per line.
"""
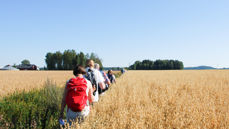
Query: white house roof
x=8 y=67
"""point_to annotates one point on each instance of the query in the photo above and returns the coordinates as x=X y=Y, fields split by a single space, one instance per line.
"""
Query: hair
x=89 y=63
x=110 y=72
x=97 y=66
x=79 y=70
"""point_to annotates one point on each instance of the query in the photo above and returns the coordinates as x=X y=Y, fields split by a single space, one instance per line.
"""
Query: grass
x=34 y=109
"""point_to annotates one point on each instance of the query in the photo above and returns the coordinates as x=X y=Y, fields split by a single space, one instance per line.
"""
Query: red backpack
x=76 y=98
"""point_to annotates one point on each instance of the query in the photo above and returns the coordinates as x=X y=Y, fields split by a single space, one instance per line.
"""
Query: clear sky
x=119 y=31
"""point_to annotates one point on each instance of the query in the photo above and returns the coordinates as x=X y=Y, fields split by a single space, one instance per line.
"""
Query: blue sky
x=119 y=31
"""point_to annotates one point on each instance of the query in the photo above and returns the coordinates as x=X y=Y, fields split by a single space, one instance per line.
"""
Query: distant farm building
x=8 y=67
x=28 y=67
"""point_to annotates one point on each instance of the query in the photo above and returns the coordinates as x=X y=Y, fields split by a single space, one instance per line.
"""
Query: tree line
x=157 y=65
x=68 y=59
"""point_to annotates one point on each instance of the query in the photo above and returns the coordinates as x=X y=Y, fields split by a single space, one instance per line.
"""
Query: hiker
x=78 y=94
x=123 y=70
x=106 y=79
x=96 y=78
x=111 y=76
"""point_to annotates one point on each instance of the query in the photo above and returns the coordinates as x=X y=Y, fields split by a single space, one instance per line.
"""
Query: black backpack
x=91 y=77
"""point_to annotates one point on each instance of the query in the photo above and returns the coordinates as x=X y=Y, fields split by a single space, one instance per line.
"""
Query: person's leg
x=80 y=119
x=71 y=117
x=106 y=88
x=100 y=90
x=70 y=121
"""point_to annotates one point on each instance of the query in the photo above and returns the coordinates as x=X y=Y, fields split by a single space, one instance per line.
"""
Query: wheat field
x=11 y=81
x=146 y=99
x=164 y=100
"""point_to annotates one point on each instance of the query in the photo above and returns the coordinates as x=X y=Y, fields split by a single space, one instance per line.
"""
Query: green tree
x=137 y=65
x=25 y=62
x=58 y=59
x=50 y=61
x=93 y=56
x=76 y=60
x=82 y=59
x=157 y=65
x=68 y=59
x=87 y=56
x=170 y=64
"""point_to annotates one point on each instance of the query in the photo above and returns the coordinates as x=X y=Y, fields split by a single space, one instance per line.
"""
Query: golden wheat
x=11 y=81
x=164 y=100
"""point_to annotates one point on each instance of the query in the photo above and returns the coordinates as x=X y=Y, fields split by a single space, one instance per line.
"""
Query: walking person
x=96 y=78
x=106 y=79
x=78 y=94
x=111 y=76
x=123 y=70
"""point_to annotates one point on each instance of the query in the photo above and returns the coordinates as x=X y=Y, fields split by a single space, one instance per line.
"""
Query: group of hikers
x=84 y=90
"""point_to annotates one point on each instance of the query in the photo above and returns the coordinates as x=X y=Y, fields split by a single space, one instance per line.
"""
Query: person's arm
x=102 y=85
x=114 y=78
x=107 y=79
x=90 y=93
x=63 y=104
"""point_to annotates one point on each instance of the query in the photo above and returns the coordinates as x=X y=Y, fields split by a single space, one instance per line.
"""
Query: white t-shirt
x=99 y=79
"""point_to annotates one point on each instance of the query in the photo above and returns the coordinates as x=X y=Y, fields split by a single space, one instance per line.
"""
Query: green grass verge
x=34 y=109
